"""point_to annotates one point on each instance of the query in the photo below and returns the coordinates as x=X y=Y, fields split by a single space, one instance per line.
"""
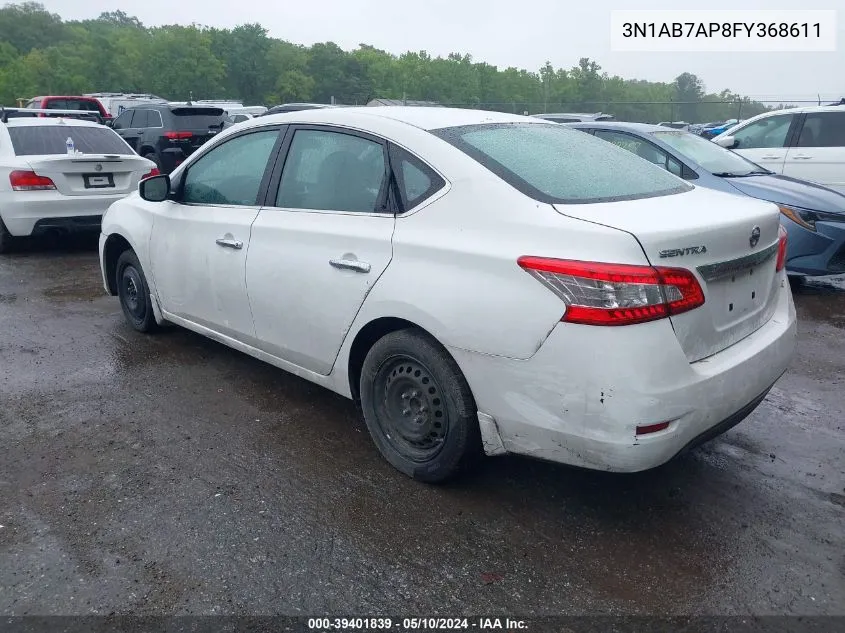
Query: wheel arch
x=115 y=245
x=364 y=340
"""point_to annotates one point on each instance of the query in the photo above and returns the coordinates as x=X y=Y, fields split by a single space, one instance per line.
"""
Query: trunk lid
x=91 y=174
x=710 y=234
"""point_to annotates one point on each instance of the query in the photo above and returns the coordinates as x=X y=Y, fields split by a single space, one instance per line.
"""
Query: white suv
x=806 y=143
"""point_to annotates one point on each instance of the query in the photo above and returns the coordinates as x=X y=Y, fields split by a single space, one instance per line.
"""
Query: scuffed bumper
x=579 y=399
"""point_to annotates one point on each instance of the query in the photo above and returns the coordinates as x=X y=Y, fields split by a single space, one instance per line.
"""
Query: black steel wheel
x=418 y=407
x=134 y=293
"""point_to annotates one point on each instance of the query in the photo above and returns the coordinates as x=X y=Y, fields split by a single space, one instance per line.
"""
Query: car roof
x=418 y=116
x=643 y=128
x=32 y=121
x=81 y=97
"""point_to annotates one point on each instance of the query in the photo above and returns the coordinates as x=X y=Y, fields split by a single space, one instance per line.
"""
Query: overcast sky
x=509 y=33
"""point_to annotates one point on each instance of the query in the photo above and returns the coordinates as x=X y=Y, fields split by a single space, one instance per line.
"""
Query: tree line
x=42 y=54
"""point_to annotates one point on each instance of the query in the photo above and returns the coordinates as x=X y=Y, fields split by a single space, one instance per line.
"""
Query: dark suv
x=168 y=134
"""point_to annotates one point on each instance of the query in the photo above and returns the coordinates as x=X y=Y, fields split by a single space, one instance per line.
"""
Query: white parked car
x=477 y=281
x=43 y=187
x=805 y=143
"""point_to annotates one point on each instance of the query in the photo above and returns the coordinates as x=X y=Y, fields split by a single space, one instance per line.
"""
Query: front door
x=200 y=240
x=765 y=141
x=320 y=245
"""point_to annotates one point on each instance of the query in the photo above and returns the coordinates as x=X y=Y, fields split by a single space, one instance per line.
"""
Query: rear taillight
x=176 y=136
x=30 y=181
x=597 y=293
x=781 y=249
x=154 y=172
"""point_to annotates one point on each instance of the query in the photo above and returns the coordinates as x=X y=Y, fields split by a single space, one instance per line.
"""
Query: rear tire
x=6 y=239
x=134 y=293
x=152 y=156
x=419 y=408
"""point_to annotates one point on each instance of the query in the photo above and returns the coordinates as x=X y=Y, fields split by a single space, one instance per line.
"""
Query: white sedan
x=478 y=282
x=44 y=187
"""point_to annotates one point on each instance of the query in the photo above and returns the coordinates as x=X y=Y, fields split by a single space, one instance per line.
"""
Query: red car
x=83 y=104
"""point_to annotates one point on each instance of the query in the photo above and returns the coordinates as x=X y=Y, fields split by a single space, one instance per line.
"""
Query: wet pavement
x=169 y=474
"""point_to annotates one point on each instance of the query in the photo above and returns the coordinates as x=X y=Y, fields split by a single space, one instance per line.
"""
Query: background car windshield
x=712 y=157
x=552 y=163
x=33 y=140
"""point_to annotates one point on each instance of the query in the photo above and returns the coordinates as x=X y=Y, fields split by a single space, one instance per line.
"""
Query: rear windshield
x=72 y=104
x=554 y=164
x=32 y=140
x=198 y=118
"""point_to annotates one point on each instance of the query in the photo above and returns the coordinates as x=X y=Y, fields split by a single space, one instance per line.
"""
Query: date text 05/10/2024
x=320 y=625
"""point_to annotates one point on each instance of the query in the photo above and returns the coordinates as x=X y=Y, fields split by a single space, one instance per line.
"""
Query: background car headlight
x=808 y=218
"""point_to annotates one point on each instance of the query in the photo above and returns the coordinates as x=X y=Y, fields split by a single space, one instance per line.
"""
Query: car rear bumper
x=48 y=209
x=579 y=399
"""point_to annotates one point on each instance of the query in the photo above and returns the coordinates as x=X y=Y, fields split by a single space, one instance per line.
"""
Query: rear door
x=765 y=141
x=320 y=243
x=137 y=124
x=818 y=153
x=729 y=242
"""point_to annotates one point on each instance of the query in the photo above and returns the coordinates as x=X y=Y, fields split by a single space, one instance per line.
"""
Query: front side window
x=643 y=149
x=332 y=171
x=823 y=129
x=231 y=173
x=123 y=121
x=712 y=157
x=766 y=133
x=36 y=140
x=556 y=164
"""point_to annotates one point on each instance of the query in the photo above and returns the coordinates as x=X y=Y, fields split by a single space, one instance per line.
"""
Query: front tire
x=419 y=408
x=134 y=293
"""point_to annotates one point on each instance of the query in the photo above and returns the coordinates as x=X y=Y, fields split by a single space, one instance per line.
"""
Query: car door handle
x=802 y=157
x=771 y=156
x=227 y=243
x=350 y=264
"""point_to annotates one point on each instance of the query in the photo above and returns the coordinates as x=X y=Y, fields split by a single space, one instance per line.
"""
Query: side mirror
x=728 y=142
x=155 y=188
x=109 y=122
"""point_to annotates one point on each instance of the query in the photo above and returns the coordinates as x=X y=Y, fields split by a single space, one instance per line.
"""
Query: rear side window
x=554 y=164
x=416 y=180
x=140 y=118
x=35 y=104
x=332 y=171
x=823 y=129
x=32 y=140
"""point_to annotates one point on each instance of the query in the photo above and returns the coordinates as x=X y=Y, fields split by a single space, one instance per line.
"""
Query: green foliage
x=41 y=54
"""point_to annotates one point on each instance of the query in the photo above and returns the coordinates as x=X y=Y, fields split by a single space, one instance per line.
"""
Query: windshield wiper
x=732 y=174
